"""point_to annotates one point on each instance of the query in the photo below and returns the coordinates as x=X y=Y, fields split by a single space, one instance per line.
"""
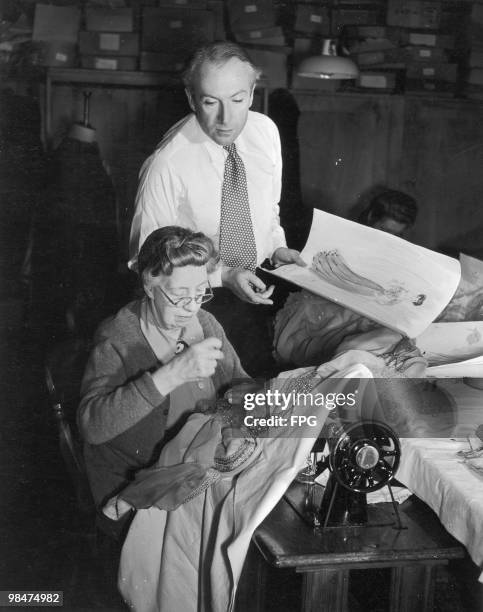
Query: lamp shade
x=328 y=67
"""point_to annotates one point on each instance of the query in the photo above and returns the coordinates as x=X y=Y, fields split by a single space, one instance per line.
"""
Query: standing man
x=218 y=171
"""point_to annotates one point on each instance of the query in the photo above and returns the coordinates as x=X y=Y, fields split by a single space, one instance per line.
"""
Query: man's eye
x=209 y=102
x=239 y=100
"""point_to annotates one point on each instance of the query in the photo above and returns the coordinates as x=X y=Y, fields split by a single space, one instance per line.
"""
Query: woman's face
x=391 y=226
x=188 y=281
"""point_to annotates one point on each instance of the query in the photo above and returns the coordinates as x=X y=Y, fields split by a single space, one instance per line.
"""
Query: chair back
x=63 y=372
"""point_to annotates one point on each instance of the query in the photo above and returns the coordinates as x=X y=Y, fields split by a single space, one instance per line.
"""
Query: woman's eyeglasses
x=202 y=298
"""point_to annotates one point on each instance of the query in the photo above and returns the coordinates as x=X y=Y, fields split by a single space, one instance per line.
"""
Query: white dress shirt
x=180 y=184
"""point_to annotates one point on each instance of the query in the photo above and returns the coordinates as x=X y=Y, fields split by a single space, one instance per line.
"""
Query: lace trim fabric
x=212 y=476
x=227 y=464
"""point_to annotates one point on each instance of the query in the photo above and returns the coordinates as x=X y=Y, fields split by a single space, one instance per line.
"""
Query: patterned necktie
x=237 y=240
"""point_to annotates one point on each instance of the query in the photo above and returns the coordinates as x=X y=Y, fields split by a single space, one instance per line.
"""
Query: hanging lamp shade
x=328 y=65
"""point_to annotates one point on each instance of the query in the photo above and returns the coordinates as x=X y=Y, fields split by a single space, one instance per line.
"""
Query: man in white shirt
x=181 y=183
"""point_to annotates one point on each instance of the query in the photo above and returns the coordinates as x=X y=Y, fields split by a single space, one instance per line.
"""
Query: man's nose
x=223 y=114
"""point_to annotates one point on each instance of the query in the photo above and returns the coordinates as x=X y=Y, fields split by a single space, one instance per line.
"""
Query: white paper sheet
x=394 y=282
x=453 y=349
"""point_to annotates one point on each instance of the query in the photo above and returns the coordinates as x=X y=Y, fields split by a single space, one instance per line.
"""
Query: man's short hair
x=216 y=53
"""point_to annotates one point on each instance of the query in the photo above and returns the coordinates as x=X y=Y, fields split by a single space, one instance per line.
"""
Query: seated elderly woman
x=152 y=362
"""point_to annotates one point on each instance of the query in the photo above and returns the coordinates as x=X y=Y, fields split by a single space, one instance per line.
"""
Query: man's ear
x=251 y=95
x=191 y=100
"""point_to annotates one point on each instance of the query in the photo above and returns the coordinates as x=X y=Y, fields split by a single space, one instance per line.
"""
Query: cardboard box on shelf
x=368 y=45
x=312 y=19
x=427 y=39
x=388 y=56
x=430 y=86
x=56 y=23
x=345 y=17
x=420 y=14
x=368 y=31
x=446 y=72
x=104 y=62
x=250 y=14
x=160 y=62
x=401 y=36
x=167 y=30
x=273 y=65
x=266 y=36
x=377 y=80
x=111 y=43
x=54 y=53
x=426 y=54
x=104 y=19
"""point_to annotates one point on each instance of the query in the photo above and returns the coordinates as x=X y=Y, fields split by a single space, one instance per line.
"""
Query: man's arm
x=157 y=200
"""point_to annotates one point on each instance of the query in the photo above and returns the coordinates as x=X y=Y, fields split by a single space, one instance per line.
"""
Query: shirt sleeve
x=157 y=202
x=277 y=232
x=110 y=403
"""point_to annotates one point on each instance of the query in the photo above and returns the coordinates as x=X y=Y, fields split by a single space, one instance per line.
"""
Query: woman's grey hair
x=174 y=247
x=216 y=53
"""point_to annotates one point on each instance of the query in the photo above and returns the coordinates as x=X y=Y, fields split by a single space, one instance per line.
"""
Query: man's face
x=221 y=97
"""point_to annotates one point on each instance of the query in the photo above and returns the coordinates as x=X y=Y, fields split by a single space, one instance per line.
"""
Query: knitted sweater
x=122 y=415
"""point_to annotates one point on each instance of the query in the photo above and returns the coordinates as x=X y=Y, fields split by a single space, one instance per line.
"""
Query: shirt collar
x=215 y=150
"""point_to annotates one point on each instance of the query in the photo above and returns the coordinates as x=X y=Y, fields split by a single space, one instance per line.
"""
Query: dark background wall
x=430 y=147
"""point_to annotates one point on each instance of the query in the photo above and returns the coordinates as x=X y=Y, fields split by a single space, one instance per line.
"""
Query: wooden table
x=325 y=558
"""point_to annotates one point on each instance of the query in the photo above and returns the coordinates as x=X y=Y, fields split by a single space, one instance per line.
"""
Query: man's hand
x=283 y=256
x=247 y=286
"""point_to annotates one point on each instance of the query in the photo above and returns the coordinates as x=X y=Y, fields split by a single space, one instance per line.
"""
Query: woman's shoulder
x=123 y=324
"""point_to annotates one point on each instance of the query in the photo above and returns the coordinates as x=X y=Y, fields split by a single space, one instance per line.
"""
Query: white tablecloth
x=432 y=470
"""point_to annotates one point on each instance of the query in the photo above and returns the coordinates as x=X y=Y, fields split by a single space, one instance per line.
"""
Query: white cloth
x=191 y=558
x=431 y=468
x=180 y=184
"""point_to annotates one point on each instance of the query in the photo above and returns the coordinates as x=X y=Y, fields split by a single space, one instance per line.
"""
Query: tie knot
x=230 y=149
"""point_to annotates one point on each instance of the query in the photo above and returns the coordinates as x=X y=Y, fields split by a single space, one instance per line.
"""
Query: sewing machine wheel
x=365 y=457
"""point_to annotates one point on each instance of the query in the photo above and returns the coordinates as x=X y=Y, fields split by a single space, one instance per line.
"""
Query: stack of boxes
x=427 y=67
x=409 y=52
x=474 y=74
x=109 y=41
x=55 y=34
x=171 y=32
x=253 y=24
x=367 y=44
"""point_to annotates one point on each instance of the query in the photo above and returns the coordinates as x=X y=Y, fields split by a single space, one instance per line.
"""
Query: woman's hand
x=198 y=361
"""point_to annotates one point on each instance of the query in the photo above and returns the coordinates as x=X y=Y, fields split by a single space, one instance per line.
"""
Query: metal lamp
x=328 y=65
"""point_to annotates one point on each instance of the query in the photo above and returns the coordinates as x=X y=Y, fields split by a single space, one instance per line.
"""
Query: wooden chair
x=69 y=443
